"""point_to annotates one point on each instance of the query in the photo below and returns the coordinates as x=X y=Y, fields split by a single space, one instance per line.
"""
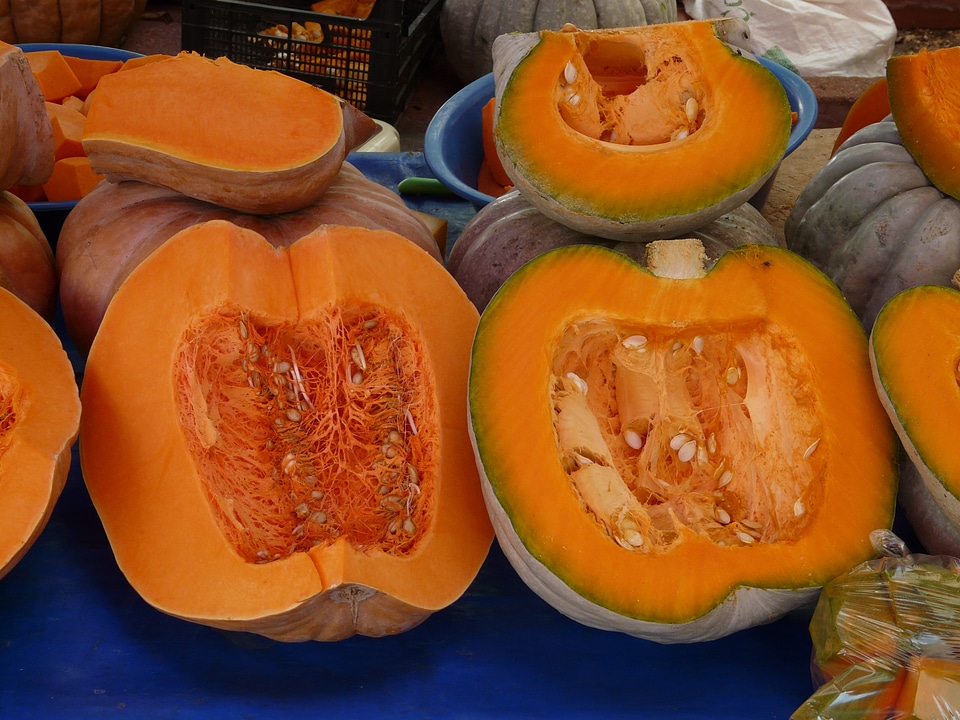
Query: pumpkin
x=633 y=113
x=27 y=266
x=208 y=128
x=924 y=100
x=111 y=230
x=26 y=153
x=469 y=27
x=914 y=349
x=509 y=231
x=872 y=220
x=88 y=22
x=39 y=419
x=872 y=105
x=678 y=454
x=317 y=478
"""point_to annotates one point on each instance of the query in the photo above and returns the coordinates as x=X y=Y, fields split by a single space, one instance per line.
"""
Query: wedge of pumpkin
x=678 y=454
x=39 y=420
x=250 y=140
x=281 y=448
x=26 y=151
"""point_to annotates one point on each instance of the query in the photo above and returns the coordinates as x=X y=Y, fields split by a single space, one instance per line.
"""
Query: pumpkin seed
x=691 y=108
x=810 y=450
x=633 y=439
x=687 y=451
x=578 y=382
x=679 y=440
x=635 y=341
x=570 y=72
x=723 y=517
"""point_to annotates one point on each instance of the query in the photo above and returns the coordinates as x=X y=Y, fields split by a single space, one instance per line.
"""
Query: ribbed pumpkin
x=684 y=454
x=469 y=27
x=275 y=438
x=27 y=266
x=110 y=231
x=874 y=222
x=609 y=131
x=509 y=231
x=914 y=350
x=90 y=22
x=26 y=151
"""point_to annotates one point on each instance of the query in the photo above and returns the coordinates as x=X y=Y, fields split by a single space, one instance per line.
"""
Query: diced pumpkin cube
x=55 y=77
x=72 y=179
x=67 y=124
x=90 y=70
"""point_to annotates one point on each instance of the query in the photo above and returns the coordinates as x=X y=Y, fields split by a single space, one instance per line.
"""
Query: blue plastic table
x=76 y=641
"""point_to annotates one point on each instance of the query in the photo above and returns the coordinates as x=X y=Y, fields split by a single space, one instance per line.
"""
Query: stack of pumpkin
x=39 y=403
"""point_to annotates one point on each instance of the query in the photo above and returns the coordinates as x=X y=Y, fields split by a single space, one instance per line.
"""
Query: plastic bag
x=814 y=38
x=886 y=639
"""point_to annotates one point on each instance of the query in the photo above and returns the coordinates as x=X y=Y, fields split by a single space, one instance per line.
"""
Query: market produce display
x=94 y=22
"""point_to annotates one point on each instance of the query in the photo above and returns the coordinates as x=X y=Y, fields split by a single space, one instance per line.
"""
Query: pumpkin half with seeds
x=701 y=450
x=39 y=420
x=284 y=449
x=637 y=133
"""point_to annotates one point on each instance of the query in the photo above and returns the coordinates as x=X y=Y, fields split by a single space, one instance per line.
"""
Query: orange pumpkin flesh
x=209 y=129
x=776 y=372
x=350 y=502
x=39 y=419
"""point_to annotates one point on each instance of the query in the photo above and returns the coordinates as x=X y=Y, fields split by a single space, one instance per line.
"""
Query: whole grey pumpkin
x=469 y=27
x=509 y=231
x=874 y=223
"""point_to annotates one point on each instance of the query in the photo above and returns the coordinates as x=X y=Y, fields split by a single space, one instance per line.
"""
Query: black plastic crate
x=372 y=63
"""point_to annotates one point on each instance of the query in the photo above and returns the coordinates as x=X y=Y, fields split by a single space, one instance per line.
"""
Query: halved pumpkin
x=250 y=140
x=632 y=133
x=924 y=97
x=279 y=445
x=915 y=354
x=39 y=419
x=678 y=455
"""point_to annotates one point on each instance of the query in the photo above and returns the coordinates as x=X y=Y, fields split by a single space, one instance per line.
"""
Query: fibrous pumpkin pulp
x=637 y=133
x=683 y=454
x=283 y=449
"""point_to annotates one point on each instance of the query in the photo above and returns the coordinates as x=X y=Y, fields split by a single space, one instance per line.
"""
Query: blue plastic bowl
x=52 y=214
x=453 y=146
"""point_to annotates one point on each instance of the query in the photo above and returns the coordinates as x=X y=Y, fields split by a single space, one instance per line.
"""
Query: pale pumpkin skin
x=117 y=225
x=89 y=22
x=27 y=266
x=469 y=27
x=27 y=147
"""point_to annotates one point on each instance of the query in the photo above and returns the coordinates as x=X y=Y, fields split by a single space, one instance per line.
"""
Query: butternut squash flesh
x=915 y=350
x=696 y=455
x=925 y=101
x=637 y=132
x=39 y=420
x=296 y=443
x=251 y=140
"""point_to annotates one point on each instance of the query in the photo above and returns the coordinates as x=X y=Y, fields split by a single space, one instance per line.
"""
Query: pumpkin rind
x=27 y=266
x=557 y=145
x=165 y=520
x=924 y=100
x=695 y=590
x=469 y=27
x=88 y=22
x=872 y=221
x=118 y=224
x=209 y=147
x=914 y=352
x=39 y=420
x=26 y=152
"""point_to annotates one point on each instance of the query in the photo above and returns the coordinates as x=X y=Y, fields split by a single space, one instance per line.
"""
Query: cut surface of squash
x=249 y=140
x=636 y=132
x=39 y=420
x=690 y=453
x=924 y=99
x=915 y=351
x=307 y=459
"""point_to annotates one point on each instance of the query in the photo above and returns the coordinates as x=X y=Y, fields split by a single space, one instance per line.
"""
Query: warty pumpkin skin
x=39 y=420
x=109 y=232
x=872 y=221
x=914 y=351
x=26 y=151
x=89 y=22
x=469 y=27
x=509 y=231
x=255 y=141
x=924 y=95
x=27 y=265
x=294 y=460
x=637 y=133
x=675 y=456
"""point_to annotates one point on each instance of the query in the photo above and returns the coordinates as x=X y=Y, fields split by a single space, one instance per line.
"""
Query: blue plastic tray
x=76 y=641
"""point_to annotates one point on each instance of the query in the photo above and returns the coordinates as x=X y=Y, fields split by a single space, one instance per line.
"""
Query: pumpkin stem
x=682 y=258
